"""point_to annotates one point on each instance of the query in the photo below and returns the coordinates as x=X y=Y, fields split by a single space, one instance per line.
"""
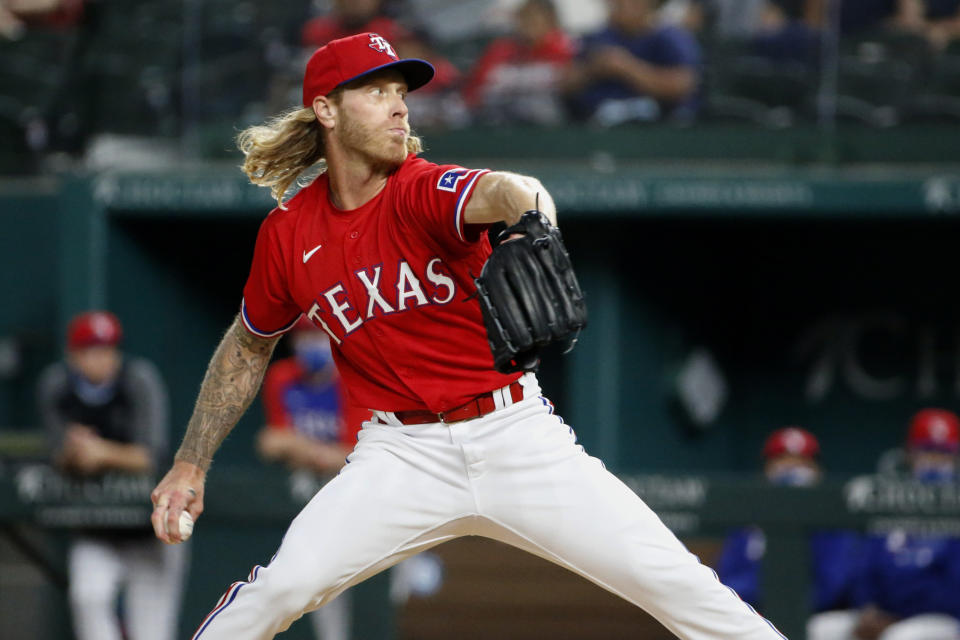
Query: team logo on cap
x=379 y=43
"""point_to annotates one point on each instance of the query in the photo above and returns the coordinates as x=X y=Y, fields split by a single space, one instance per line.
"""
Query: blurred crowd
x=164 y=69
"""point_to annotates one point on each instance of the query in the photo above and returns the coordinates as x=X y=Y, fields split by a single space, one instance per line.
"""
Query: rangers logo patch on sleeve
x=449 y=180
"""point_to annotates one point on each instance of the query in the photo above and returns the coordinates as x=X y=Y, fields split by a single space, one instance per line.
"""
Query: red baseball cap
x=94 y=328
x=934 y=430
x=793 y=441
x=341 y=61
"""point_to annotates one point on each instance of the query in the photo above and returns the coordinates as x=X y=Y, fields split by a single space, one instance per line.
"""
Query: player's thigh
x=832 y=625
x=929 y=626
x=587 y=519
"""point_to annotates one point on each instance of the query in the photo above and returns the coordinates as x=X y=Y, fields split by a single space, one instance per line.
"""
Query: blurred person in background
x=308 y=426
x=909 y=586
x=774 y=29
x=311 y=431
x=635 y=69
x=107 y=413
x=785 y=35
x=440 y=103
x=942 y=22
x=791 y=460
x=347 y=18
x=725 y=19
x=516 y=78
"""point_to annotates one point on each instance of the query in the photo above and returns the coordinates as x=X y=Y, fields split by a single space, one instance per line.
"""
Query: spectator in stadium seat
x=909 y=583
x=634 y=69
x=790 y=459
x=516 y=78
x=347 y=18
x=785 y=35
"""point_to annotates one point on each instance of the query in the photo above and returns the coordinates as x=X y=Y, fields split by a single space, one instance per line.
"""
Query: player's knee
x=291 y=597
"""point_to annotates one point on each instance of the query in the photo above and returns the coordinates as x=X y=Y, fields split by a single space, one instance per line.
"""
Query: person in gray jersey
x=106 y=413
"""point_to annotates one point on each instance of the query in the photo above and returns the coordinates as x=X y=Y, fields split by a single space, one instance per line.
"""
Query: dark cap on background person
x=347 y=59
x=94 y=328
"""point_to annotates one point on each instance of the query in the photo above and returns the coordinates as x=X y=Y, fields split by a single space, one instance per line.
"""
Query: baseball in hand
x=186 y=525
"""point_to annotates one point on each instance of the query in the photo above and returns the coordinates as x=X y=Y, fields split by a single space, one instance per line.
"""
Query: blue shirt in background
x=908 y=575
x=835 y=556
x=666 y=46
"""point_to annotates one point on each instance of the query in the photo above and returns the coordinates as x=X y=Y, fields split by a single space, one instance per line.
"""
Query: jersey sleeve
x=267 y=309
x=435 y=197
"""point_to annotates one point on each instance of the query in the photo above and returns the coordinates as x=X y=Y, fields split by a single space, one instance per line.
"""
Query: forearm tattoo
x=229 y=386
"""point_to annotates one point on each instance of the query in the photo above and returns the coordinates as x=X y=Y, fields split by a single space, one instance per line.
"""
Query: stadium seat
x=877 y=76
x=739 y=85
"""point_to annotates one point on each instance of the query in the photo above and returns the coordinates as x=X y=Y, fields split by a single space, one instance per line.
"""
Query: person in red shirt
x=309 y=423
x=515 y=80
x=379 y=251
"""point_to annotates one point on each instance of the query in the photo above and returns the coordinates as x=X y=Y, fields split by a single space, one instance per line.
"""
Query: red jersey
x=550 y=54
x=390 y=282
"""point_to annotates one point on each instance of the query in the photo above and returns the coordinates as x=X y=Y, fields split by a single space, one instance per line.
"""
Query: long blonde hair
x=279 y=151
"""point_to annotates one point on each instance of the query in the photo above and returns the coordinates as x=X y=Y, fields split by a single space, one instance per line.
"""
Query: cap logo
x=102 y=327
x=939 y=429
x=379 y=43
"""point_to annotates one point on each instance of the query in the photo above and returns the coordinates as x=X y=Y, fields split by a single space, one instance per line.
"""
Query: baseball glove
x=529 y=294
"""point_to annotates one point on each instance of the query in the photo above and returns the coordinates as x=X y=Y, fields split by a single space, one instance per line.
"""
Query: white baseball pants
x=515 y=475
x=150 y=572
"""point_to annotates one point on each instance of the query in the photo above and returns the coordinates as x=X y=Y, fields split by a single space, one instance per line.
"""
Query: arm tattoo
x=232 y=381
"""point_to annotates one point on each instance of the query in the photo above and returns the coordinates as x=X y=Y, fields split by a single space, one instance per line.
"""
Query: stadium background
x=789 y=262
